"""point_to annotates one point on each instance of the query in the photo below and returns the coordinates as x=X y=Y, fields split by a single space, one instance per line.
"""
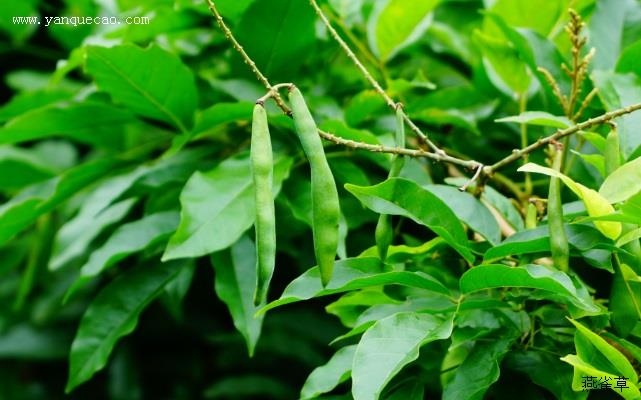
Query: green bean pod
x=611 y=155
x=325 y=204
x=530 y=216
x=262 y=167
x=558 y=239
x=384 y=233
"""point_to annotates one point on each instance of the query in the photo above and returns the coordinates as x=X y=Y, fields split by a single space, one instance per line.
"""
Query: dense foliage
x=130 y=266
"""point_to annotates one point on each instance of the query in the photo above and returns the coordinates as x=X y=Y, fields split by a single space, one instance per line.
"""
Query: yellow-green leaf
x=623 y=183
x=595 y=204
x=394 y=25
x=582 y=369
x=618 y=360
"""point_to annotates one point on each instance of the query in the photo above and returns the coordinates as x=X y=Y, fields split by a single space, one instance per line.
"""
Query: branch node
x=476 y=175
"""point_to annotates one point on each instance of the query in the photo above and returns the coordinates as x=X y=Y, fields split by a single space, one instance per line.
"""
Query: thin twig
x=476 y=175
x=377 y=87
x=360 y=46
x=237 y=46
x=376 y=148
x=561 y=133
x=273 y=92
x=390 y=102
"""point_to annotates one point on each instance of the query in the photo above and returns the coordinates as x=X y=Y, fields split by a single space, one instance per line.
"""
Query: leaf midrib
x=144 y=93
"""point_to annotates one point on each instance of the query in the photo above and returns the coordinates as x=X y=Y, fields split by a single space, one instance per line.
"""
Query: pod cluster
x=325 y=203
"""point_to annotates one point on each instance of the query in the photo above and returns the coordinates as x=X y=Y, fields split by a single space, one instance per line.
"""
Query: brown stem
x=377 y=87
x=561 y=133
x=252 y=65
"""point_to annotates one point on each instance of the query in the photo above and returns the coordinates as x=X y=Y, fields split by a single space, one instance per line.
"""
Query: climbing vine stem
x=481 y=172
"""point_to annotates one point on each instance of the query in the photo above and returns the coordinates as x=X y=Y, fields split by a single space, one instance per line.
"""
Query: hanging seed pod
x=325 y=204
x=262 y=166
x=558 y=239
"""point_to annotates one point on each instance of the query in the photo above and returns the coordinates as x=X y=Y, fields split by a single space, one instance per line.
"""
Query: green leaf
x=325 y=378
x=629 y=60
x=614 y=356
x=349 y=307
x=349 y=10
x=595 y=160
x=595 y=204
x=630 y=347
x=17 y=32
x=130 y=238
x=585 y=238
x=623 y=183
x=278 y=34
x=529 y=276
x=96 y=213
x=478 y=372
x=22 y=210
x=74 y=238
x=617 y=91
x=388 y=346
x=113 y=314
x=222 y=113
x=599 y=142
x=359 y=135
x=469 y=210
x=351 y=274
x=538 y=118
x=151 y=82
x=456 y=117
x=91 y=123
x=394 y=26
x=628 y=237
x=605 y=32
x=174 y=26
x=403 y=197
x=21 y=167
x=233 y=9
x=491 y=197
x=434 y=304
x=363 y=107
x=235 y=284
x=540 y=16
x=632 y=208
x=503 y=65
x=23 y=102
x=217 y=207
x=624 y=301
